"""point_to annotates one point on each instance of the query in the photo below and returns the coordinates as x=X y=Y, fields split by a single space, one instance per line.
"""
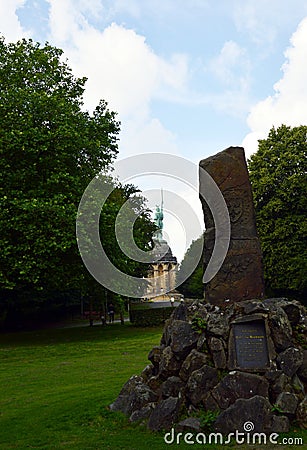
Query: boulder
x=239 y=385
x=293 y=309
x=287 y=402
x=272 y=375
x=148 y=372
x=253 y=307
x=171 y=387
x=143 y=413
x=166 y=336
x=154 y=357
x=290 y=360
x=298 y=386
x=183 y=338
x=218 y=352
x=280 y=329
x=281 y=384
x=218 y=325
x=254 y=414
x=195 y=360
x=201 y=345
x=200 y=383
x=302 y=371
x=189 y=424
x=165 y=414
x=279 y=424
x=134 y=395
x=155 y=383
x=169 y=364
x=301 y=414
x=210 y=403
x=180 y=312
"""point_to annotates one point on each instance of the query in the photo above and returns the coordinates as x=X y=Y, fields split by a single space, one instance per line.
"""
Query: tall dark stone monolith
x=241 y=275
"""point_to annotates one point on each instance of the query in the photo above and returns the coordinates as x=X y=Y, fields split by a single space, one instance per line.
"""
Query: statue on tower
x=163 y=268
x=159 y=220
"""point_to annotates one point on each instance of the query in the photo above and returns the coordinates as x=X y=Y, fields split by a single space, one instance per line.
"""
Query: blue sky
x=186 y=77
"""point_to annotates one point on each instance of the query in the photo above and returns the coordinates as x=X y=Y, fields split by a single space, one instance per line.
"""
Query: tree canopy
x=193 y=286
x=278 y=176
x=50 y=149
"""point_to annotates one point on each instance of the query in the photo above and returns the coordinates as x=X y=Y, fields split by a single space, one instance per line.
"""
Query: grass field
x=56 y=385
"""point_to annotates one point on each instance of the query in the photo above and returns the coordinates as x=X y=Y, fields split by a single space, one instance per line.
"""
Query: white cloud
x=229 y=63
x=122 y=69
x=231 y=67
x=163 y=11
x=92 y=8
x=147 y=136
x=252 y=17
x=131 y=7
x=10 y=26
x=288 y=104
x=264 y=22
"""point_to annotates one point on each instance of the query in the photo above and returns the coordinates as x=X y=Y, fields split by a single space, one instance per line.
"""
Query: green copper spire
x=159 y=219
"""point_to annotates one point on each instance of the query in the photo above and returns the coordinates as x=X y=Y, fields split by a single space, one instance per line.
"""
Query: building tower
x=163 y=269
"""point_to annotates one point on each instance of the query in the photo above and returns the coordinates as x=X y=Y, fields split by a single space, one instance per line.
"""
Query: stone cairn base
x=203 y=364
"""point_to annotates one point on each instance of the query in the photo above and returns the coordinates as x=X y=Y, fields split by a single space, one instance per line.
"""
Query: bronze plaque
x=251 y=351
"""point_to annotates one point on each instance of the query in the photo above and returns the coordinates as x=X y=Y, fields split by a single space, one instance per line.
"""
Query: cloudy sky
x=188 y=78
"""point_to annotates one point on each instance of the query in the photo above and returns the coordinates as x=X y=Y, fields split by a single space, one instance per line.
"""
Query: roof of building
x=162 y=252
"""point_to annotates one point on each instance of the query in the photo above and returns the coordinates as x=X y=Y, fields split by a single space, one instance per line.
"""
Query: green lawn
x=56 y=385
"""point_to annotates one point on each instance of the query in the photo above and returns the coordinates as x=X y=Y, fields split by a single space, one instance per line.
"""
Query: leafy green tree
x=193 y=286
x=278 y=176
x=50 y=149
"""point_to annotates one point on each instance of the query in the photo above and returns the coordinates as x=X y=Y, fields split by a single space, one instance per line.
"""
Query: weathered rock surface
x=240 y=277
x=195 y=360
x=200 y=383
x=287 y=402
x=189 y=424
x=143 y=413
x=154 y=357
x=218 y=324
x=302 y=371
x=280 y=424
x=290 y=360
x=281 y=384
x=188 y=374
x=169 y=365
x=134 y=395
x=239 y=385
x=155 y=383
x=183 y=338
x=280 y=329
x=171 y=387
x=301 y=413
x=293 y=309
x=217 y=349
x=148 y=372
x=164 y=415
x=257 y=410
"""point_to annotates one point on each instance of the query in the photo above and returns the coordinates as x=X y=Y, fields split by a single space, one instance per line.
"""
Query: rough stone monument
x=241 y=275
x=243 y=360
x=244 y=363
